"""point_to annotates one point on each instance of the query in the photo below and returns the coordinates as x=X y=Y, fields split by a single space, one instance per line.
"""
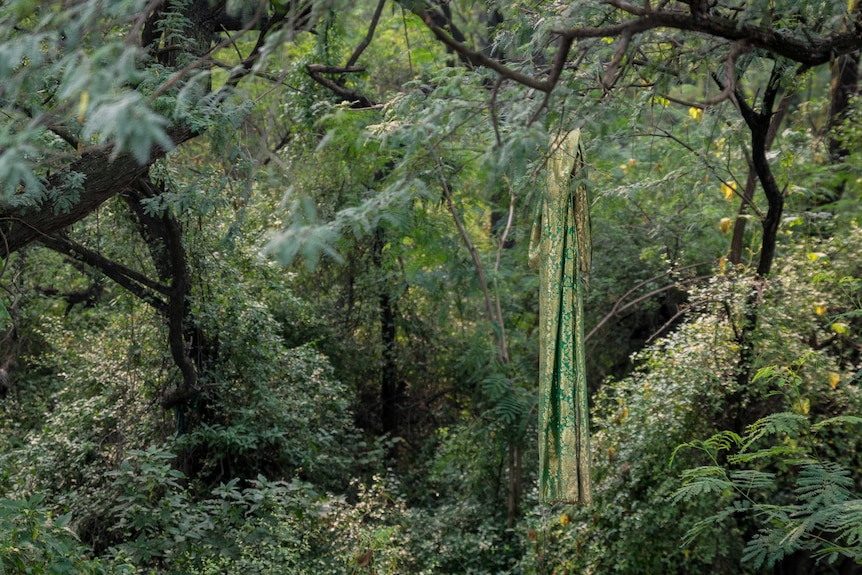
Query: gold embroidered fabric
x=560 y=248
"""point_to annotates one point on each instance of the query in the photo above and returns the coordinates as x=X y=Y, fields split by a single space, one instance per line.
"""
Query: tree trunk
x=845 y=85
x=759 y=124
x=390 y=396
x=163 y=236
x=736 y=242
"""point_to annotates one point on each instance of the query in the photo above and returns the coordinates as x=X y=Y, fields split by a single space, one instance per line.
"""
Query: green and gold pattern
x=560 y=248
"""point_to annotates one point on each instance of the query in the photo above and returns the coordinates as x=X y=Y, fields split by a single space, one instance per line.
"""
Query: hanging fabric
x=560 y=248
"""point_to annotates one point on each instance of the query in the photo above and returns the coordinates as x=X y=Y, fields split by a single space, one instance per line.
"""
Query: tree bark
x=163 y=235
x=103 y=179
x=736 y=242
x=845 y=85
x=390 y=397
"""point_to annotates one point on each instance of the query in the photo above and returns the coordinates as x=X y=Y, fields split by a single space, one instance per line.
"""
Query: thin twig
x=493 y=112
x=474 y=255
x=500 y=247
x=611 y=75
x=509 y=220
x=618 y=307
x=666 y=134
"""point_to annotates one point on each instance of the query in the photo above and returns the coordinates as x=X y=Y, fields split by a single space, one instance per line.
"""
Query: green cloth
x=560 y=248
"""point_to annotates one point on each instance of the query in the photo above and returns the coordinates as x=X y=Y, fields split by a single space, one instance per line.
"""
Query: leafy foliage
x=280 y=319
x=820 y=516
x=36 y=542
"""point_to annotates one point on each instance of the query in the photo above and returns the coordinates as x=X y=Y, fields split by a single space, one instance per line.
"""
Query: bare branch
x=492 y=101
x=620 y=307
x=356 y=99
x=476 y=58
x=739 y=48
x=320 y=68
x=134 y=282
x=368 y=36
x=812 y=51
x=611 y=73
x=474 y=255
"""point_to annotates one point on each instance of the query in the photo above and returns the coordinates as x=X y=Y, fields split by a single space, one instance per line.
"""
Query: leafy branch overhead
x=110 y=106
x=797 y=31
x=265 y=302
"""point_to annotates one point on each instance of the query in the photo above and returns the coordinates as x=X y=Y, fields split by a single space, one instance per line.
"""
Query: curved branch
x=759 y=124
x=611 y=73
x=747 y=195
x=134 y=282
x=477 y=58
x=356 y=99
x=103 y=179
x=477 y=262
x=619 y=306
x=812 y=51
x=372 y=26
x=738 y=49
x=163 y=235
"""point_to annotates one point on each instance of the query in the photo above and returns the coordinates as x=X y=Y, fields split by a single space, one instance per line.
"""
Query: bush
x=33 y=541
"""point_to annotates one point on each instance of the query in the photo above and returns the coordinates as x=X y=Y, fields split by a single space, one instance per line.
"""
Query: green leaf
x=849 y=419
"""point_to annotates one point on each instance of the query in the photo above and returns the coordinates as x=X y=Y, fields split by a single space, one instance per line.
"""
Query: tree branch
x=619 y=306
x=758 y=124
x=474 y=255
x=372 y=26
x=476 y=58
x=611 y=73
x=356 y=99
x=134 y=282
x=812 y=51
x=747 y=196
x=739 y=48
x=103 y=179
x=164 y=238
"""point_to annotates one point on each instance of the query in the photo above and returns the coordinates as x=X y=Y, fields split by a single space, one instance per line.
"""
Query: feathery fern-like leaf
x=701 y=480
x=774 y=424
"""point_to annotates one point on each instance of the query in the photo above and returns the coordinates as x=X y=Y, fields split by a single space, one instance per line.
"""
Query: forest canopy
x=266 y=305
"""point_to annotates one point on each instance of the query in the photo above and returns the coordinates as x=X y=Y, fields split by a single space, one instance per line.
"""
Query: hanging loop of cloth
x=560 y=247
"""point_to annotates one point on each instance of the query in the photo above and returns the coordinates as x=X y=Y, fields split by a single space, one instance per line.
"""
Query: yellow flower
x=696 y=113
x=802 y=406
x=840 y=328
x=725 y=224
x=820 y=308
x=722 y=264
x=564 y=519
x=834 y=379
x=728 y=190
